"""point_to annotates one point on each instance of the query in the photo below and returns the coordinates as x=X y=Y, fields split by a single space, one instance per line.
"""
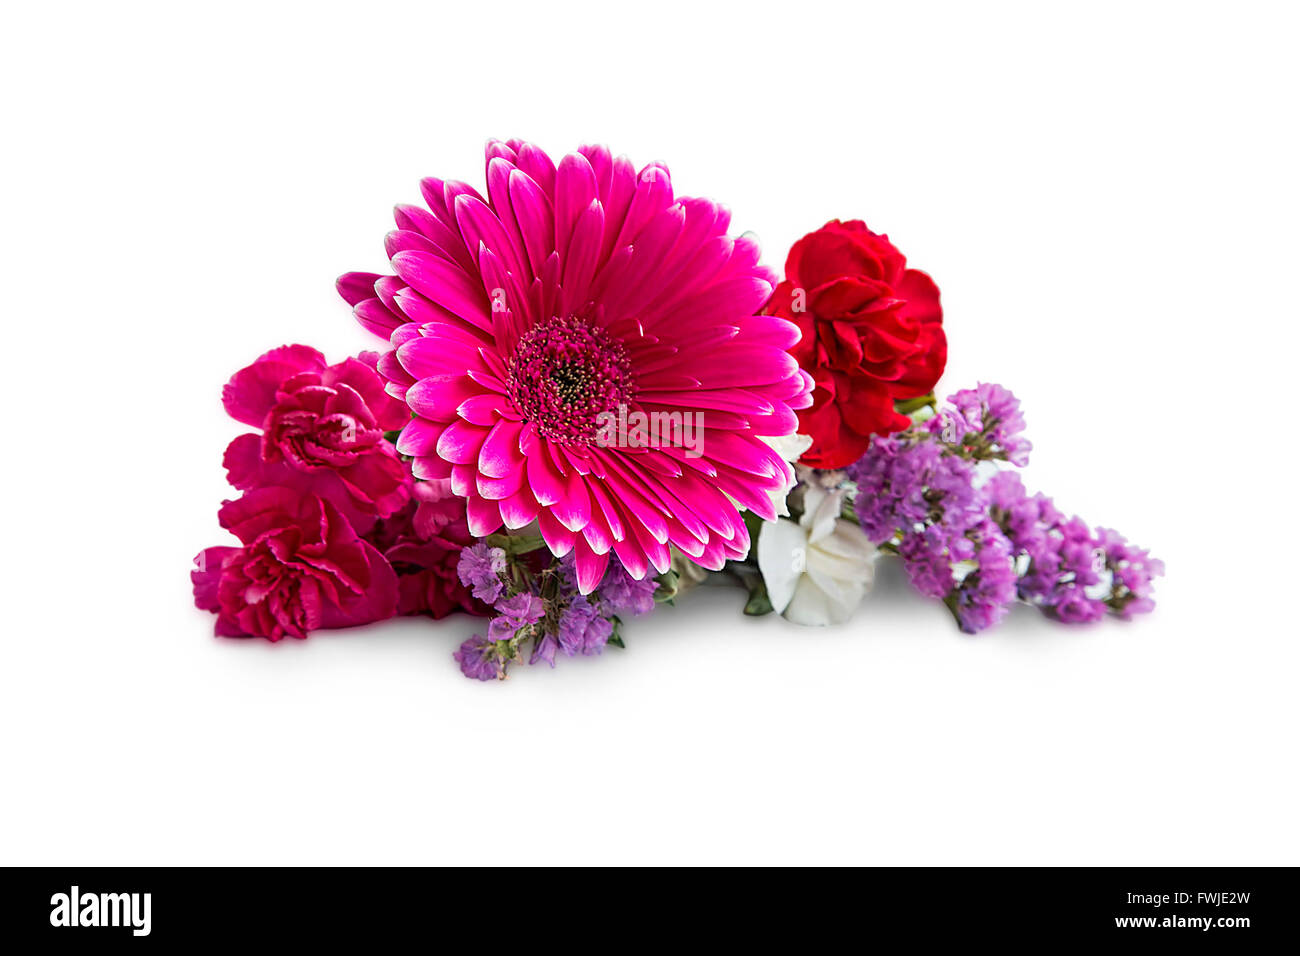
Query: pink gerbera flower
x=580 y=348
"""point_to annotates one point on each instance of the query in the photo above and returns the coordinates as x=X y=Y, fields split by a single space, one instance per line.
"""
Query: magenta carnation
x=423 y=543
x=524 y=322
x=322 y=431
x=301 y=568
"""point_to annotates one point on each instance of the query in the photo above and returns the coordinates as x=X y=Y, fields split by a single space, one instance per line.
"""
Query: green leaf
x=668 y=584
x=759 y=603
x=914 y=404
x=616 y=636
x=516 y=543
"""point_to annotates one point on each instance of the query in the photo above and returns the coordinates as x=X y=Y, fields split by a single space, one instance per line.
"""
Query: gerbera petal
x=431 y=468
x=654 y=191
x=445 y=240
x=399 y=240
x=632 y=557
x=519 y=510
x=581 y=259
x=446 y=284
x=589 y=565
x=485 y=409
x=573 y=510
x=419 y=437
x=536 y=220
x=356 y=286
x=497 y=489
x=460 y=442
x=439 y=397
x=538 y=166
x=500 y=456
x=439 y=355
x=575 y=190
x=558 y=538
x=545 y=479
x=376 y=317
x=480 y=227
x=484 y=516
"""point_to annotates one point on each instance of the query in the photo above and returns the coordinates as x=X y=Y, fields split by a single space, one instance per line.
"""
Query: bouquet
x=590 y=397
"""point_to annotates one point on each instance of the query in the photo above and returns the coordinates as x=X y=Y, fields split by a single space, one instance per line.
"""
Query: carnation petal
x=251 y=391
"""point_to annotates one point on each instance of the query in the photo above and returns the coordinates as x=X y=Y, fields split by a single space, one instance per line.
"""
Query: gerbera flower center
x=565 y=374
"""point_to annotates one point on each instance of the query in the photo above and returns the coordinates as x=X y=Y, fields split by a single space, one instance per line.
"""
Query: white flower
x=818 y=568
x=791 y=448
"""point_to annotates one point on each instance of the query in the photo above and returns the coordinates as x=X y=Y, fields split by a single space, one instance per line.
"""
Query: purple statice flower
x=481 y=568
x=621 y=593
x=1131 y=572
x=583 y=629
x=544 y=649
x=1005 y=490
x=955 y=501
x=891 y=480
x=931 y=498
x=1071 y=572
x=1060 y=559
x=920 y=491
x=584 y=624
x=1081 y=556
x=925 y=558
x=479 y=659
x=514 y=613
x=1025 y=518
x=986 y=422
x=1029 y=523
x=985 y=594
x=1072 y=605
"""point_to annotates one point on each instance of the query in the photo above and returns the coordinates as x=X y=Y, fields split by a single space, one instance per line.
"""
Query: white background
x=1106 y=195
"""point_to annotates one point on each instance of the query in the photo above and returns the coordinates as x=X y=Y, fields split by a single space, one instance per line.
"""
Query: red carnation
x=872 y=335
x=301 y=568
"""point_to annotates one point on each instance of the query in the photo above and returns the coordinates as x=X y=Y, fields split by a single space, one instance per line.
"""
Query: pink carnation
x=423 y=542
x=301 y=568
x=322 y=431
x=522 y=321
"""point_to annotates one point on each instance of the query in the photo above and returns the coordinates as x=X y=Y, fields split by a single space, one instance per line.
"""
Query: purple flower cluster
x=923 y=501
x=546 y=608
x=483 y=569
x=987 y=591
x=1073 y=573
x=986 y=423
x=981 y=546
